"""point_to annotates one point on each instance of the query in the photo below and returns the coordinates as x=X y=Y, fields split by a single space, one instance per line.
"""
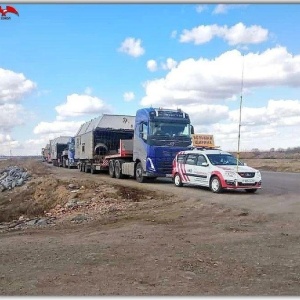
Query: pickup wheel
x=111 y=169
x=177 y=180
x=139 y=173
x=118 y=169
x=215 y=185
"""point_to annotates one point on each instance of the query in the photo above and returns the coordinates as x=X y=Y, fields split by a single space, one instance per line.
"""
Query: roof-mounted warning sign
x=203 y=140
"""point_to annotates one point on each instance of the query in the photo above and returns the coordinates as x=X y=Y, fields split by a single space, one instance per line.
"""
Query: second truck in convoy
x=141 y=146
x=62 y=151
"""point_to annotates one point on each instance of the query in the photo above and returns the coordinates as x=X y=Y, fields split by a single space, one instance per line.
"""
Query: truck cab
x=158 y=136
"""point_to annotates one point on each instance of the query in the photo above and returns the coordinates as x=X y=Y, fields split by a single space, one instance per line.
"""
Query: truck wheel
x=215 y=185
x=111 y=169
x=177 y=180
x=118 y=169
x=139 y=173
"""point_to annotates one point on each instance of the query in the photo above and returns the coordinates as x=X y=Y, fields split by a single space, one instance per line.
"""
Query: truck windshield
x=169 y=129
x=223 y=159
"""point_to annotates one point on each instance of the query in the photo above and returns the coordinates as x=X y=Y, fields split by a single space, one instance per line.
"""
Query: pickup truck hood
x=234 y=168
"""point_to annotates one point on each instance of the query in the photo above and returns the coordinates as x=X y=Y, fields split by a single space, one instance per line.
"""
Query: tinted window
x=181 y=158
x=191 y=159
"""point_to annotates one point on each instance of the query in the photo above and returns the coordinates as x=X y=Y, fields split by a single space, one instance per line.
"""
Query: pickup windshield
x=223 y=159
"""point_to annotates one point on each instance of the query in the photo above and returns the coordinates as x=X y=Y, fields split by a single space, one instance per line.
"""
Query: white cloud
x=201 y=7
x=79 y=105
x=235 y=35
x=14 y=86
x=129 y=96
x=170 y=64
x=221 y=9
x=4 y=138
x=11 y=115
x=240 y=34
x=132 y=47
x=152 y=65
x=88 y=91
x=57 y=128
x=224 y=8
x=210 y=81
x=276 y=113
x=173 y=34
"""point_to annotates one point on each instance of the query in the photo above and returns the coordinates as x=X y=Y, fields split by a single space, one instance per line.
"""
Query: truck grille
x=164 y=167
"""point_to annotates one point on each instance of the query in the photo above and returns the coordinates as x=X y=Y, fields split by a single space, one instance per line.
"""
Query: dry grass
x=274 y=164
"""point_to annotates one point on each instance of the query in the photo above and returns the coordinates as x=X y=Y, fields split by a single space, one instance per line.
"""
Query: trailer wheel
x=111 y=169
x=139 y=173
x=118 y=169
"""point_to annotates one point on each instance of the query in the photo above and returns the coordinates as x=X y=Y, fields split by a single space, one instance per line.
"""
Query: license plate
x=249 y=181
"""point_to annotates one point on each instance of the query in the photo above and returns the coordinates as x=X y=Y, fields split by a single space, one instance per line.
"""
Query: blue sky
x=64 y=64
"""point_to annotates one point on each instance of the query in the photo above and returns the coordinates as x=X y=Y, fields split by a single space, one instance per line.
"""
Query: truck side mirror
x=192 y=129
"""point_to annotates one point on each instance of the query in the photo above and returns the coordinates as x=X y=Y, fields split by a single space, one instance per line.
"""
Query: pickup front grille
x=247 y=174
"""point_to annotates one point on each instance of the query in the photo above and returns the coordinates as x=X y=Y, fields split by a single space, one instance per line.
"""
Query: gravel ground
x=72 y=236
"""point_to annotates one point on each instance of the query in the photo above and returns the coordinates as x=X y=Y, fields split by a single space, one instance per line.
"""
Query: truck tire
x=111 y=169
x=118 y=169
x=139 y=173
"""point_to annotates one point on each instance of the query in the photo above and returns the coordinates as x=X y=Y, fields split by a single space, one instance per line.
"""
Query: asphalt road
x=280 y=193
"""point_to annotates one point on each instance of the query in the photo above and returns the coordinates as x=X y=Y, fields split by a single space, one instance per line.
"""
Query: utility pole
x=240 y=116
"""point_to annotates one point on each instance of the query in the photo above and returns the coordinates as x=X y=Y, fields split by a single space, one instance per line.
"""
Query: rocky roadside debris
x=78 y=206
x=13 y=176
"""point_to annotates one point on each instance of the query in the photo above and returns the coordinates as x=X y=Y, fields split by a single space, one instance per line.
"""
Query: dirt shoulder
x=74 y=236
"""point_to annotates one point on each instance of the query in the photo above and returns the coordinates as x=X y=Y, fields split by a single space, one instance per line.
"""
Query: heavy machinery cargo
x=100 y=137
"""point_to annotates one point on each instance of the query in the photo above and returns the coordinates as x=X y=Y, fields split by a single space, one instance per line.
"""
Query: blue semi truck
x=141 y=146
